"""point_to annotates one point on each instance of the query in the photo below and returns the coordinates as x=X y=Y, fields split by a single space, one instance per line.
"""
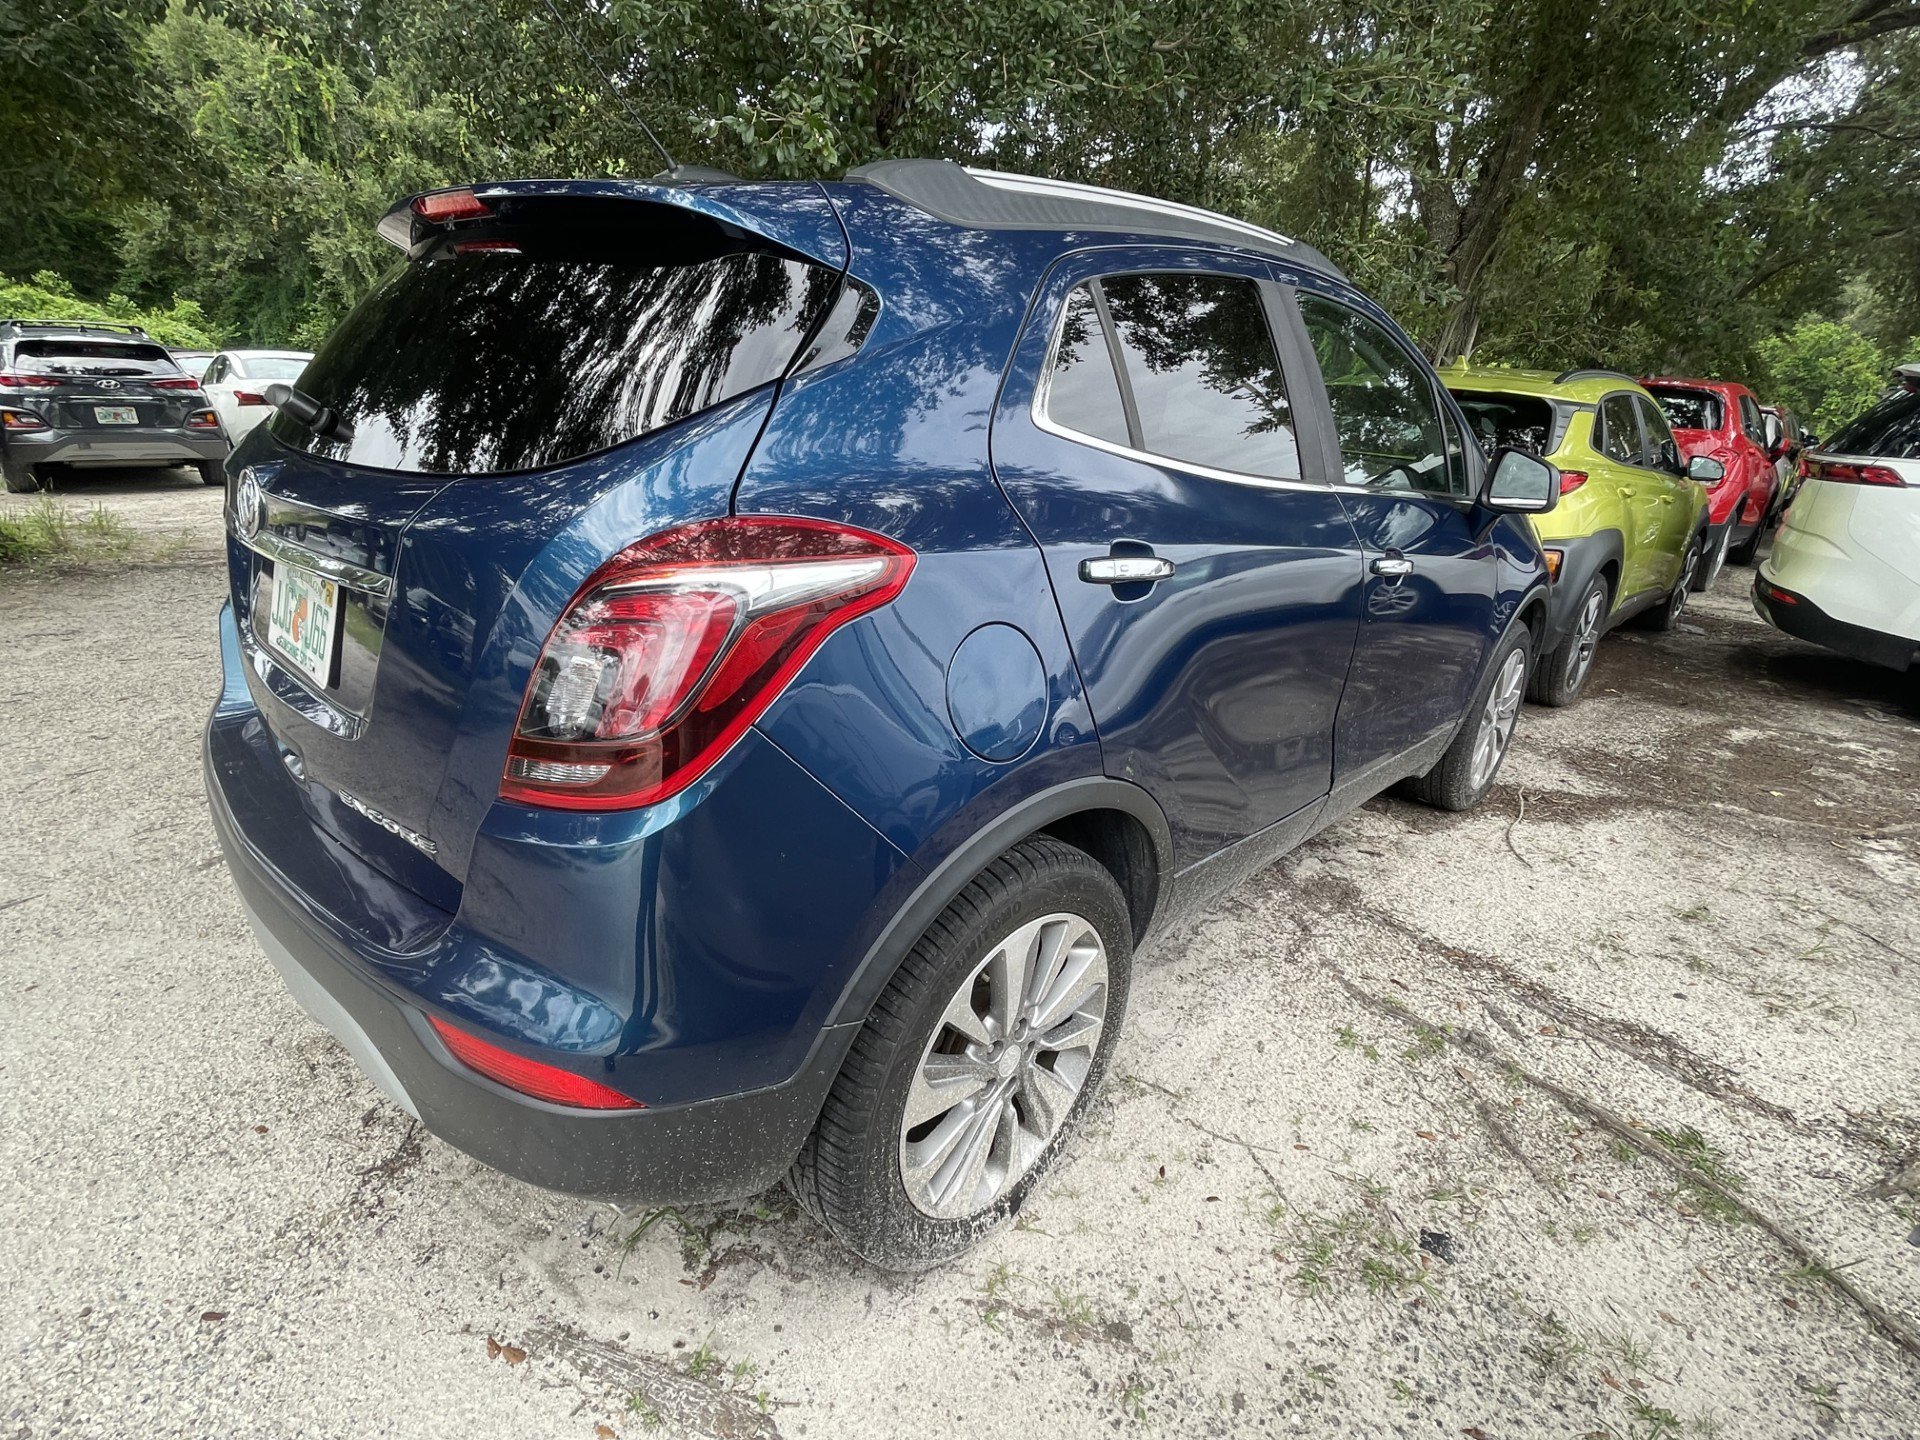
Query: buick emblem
x=249 y=506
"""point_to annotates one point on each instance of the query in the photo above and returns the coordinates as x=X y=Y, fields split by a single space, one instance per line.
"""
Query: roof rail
x=1588 y=374
x=111 y=327
x=996 y=200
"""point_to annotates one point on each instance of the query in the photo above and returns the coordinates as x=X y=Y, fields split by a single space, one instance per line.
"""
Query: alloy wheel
x=1004 y=1066
x=1689 y=563
x=1497 y=718
x=1587 y=638
x=1718 y=560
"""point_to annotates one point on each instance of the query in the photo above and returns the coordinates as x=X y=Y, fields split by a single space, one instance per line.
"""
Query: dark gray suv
x=98 y=395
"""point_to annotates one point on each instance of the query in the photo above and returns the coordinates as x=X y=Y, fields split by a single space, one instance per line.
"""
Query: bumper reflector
x=530 y=1077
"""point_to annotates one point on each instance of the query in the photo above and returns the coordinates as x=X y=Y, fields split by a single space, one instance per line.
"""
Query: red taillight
x=21 y=420
x=248 y=397
x=678 y=644
x=1572 y=480
x=183 y=382
x=1846 y=473
x=203 y=420
x=1779 y=596
x=530 y=1077
x=450 y=205
x=29 y=382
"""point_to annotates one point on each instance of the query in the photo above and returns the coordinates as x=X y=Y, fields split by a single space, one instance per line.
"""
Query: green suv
x=1630 y=528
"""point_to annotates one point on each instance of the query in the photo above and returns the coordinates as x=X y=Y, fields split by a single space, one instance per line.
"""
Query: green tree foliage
x=48 y=297
x=1645 y=183
x=1825 y=372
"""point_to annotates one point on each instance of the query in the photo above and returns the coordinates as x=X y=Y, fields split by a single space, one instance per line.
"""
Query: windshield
x=1689 y=409
x=1889 y=431
x=91 y=357
x=1524 y=422
x=524 y=347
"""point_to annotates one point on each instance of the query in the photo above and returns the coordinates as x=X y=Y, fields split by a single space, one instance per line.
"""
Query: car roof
x=1580 y=387
x=981 y=199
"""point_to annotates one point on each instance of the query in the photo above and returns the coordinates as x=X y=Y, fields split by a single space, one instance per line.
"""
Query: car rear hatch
x=110 y=386
x=545 y=347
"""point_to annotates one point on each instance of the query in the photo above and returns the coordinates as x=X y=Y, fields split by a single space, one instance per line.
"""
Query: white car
x=236 y=383
x=1845 y=568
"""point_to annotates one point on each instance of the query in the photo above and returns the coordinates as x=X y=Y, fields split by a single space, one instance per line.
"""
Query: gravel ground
x=1631 y=1052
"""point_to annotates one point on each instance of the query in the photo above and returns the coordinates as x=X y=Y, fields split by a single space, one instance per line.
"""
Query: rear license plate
x=306 y=608
x=116 y=415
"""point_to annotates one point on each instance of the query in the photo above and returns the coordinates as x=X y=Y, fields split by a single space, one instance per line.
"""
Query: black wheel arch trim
x=1581 y=558
x=961 y=865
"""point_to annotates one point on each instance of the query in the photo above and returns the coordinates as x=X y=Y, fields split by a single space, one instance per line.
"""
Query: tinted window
x=571 y=340
x=1664 y=450
x=1890 y=430
x=91 y=357
x=1206 y=382
x=1082 y=393
x=1618 y=437
x=1384 y=407
x=275 y=367
x=1689 y=409
x=1750 y=419
x=1524 y=422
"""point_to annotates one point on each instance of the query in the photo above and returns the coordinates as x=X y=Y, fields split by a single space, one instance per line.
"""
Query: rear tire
x=908 y=1197
x=1559 y=676
x=1466 y=772
x=212 y=472
x=21 y=479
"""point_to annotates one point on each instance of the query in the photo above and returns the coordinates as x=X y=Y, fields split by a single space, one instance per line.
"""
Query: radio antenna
x=598 y=69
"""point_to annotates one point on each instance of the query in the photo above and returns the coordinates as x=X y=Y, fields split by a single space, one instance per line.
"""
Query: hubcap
x=1004 y=1066
x=1688 y=564
x=1719 y=559
x=1498 y=717
x=1588 y=631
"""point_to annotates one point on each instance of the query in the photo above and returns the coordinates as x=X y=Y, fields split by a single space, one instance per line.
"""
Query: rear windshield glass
x=91 y=357
x=274 y=367
x=1891 y=430
x=1524 y=422
x=1689 y=409
x=551 y=344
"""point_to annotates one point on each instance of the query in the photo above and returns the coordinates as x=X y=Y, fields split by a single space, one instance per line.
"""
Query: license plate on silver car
x=306 y=608
x=115 y=415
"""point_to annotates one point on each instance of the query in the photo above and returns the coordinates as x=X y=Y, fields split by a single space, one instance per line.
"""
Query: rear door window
x=552 y=341
x=1201 y=369
x=1663 y=452
x=1619 y=437
x=1083 y=393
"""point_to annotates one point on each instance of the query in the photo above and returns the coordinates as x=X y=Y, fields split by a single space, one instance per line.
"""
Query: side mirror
x=1808 y=439
x=1521 y=483
x=1706 y=469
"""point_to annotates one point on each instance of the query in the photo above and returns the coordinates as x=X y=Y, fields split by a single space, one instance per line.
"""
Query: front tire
x=1666 y=614
x=977 y=1063
x=21 y=479
x=1714 y=563
x=1465 y=773
x=1558 y=677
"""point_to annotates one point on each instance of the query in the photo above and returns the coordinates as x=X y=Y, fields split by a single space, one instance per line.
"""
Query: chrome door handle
x=1393 y=566
x=1125 y=570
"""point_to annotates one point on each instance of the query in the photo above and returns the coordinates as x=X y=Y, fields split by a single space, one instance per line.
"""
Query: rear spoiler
x=797 y=216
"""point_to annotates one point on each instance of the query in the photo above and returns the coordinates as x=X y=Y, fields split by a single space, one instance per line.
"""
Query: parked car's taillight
x=1846 y=473
x=1572 y=480
x=29 y=382
x=673 y=648
x=249 y=397
x=21 y=420
x=203 y=420
x=530 y=1077
x=179 y=382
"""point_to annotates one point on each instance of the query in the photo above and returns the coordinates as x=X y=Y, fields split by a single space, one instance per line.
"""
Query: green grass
x=50 y=532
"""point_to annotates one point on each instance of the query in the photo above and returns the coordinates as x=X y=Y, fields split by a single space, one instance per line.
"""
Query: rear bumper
x=712 y=1150
x=1800 y=617
x=138 y=447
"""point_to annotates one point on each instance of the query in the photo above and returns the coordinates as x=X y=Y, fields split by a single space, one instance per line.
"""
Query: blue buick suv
x=721 y=678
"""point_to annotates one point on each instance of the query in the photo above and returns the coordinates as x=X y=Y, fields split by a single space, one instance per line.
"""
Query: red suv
x=1722 y=419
